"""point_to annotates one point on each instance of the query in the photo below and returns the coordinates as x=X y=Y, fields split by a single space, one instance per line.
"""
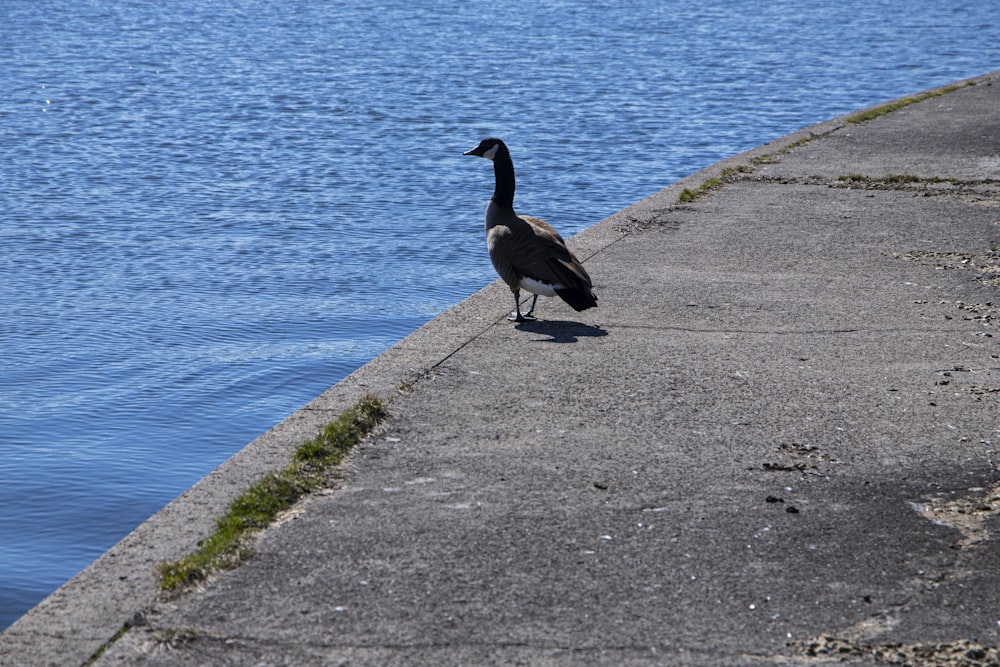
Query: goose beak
x=482 y=151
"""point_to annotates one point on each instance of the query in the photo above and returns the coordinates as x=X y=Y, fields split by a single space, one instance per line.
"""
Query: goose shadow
x=561 y=331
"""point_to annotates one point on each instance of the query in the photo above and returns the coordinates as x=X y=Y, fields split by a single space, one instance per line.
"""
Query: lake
x=210 y=212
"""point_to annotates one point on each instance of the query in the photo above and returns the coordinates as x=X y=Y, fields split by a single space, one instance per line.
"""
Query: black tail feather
x=579 y=298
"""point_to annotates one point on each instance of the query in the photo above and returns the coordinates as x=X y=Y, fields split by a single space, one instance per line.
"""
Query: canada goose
x=527 y=252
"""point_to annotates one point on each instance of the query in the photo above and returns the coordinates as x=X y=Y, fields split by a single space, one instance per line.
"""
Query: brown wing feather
x=524 y=246
x=539 y=223
x=547 y=257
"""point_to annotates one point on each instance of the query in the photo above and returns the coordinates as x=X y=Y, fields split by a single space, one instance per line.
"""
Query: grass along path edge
x=257 y=507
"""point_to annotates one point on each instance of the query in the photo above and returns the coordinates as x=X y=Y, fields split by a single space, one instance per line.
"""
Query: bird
x=528 y=253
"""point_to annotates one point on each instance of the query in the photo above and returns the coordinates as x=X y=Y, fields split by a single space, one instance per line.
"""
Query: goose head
x=487 y=148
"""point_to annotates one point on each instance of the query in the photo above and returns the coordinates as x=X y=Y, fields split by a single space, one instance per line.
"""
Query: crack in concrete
x=775 y=332
x=986 y=263
x=932 y=185
x=166 y=641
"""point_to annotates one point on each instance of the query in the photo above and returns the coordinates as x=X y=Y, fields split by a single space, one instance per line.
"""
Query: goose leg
x=516 y=316
x=534 y=300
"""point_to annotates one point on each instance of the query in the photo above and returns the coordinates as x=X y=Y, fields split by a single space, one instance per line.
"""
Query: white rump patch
x=538 y=287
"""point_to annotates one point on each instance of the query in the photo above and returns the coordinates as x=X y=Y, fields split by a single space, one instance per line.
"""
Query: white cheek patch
x=491 y=153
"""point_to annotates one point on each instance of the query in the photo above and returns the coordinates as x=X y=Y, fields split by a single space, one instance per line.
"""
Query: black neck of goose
x=503 y=169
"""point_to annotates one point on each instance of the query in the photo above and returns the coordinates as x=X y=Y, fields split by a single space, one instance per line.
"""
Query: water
x=210 y=212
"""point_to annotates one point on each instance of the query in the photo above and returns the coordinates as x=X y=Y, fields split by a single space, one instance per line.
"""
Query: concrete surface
x=776 y=441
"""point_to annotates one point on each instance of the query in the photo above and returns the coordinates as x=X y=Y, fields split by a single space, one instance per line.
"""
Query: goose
x=527 y=252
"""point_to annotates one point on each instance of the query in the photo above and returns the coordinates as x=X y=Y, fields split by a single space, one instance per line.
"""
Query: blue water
x=210 y=212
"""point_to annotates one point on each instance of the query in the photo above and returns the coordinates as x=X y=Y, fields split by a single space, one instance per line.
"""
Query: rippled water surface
x=210 y=212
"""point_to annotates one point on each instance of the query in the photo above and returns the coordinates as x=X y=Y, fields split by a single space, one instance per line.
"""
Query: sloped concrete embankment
x=774 y=442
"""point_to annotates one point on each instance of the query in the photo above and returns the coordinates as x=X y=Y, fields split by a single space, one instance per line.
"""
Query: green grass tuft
x=104 y=647
x=902 y=178
x=330 y=446
x=731 y=173
x=687 y=196
x=797 y=143
x=894 y=179
x=257 y=507
x=899 y=104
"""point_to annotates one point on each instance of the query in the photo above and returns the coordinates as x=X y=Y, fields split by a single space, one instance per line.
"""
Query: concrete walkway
x=776 y=441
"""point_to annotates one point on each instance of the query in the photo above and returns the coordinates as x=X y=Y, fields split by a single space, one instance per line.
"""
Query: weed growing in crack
x=899 y=104
x=258 y=506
